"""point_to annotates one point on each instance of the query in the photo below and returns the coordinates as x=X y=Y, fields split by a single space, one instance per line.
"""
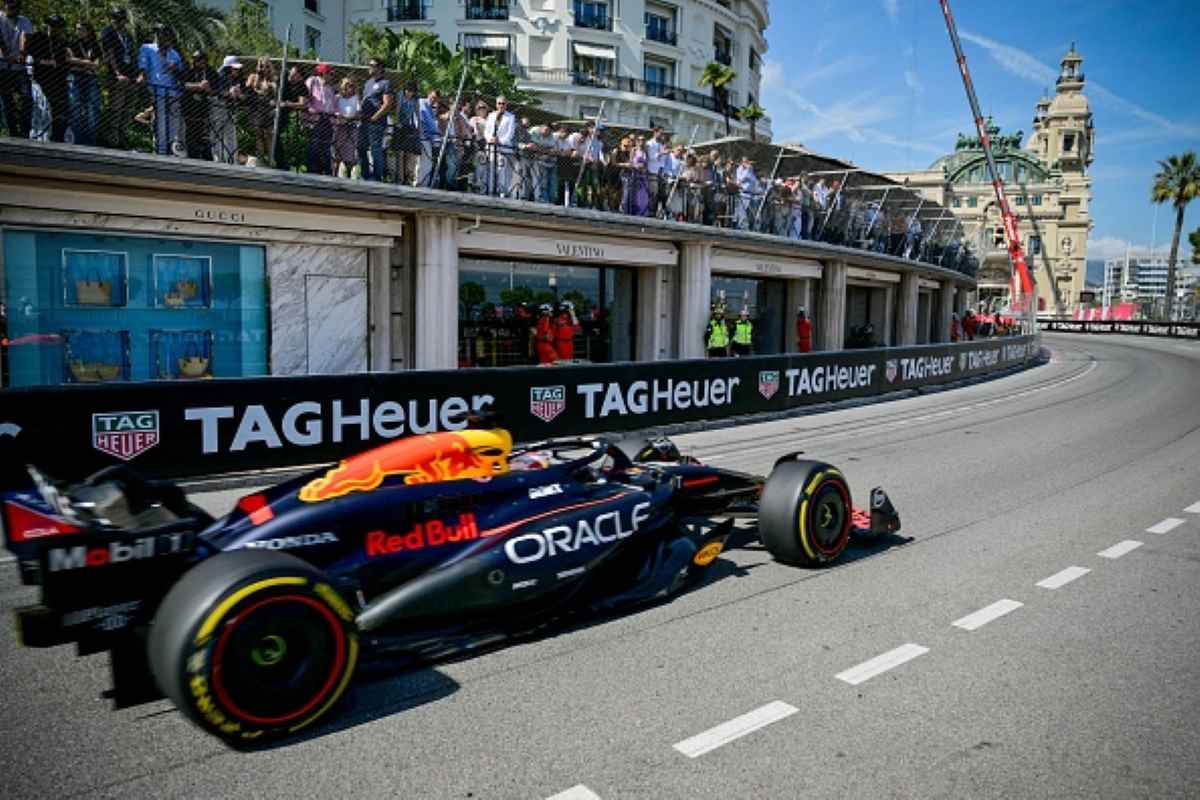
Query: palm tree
x=719 y=76
x=196 y=25
x=1177 y=182
x=752 y=113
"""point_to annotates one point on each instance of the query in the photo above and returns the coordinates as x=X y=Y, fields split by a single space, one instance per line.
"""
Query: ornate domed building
x=1048 y=188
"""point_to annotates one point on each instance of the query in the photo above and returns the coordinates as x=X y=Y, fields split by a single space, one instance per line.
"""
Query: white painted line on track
x=881 y=663
x=1166 y=526
x=736 y=728
x=1060 y=579
x=985 y=615
x=1120 y=549
x=579 y=792
x=1194 y=508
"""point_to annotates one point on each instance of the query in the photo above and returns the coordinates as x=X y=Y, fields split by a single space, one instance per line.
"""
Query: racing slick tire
x=253 y=645
x=804 y=513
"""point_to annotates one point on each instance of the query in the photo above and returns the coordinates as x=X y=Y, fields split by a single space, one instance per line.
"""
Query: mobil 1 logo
x=547 y=402
x=125 y=434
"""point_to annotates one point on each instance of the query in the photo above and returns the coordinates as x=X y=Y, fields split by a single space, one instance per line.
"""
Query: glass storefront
x=498 y=310
x=764 y=298
x=89 y=308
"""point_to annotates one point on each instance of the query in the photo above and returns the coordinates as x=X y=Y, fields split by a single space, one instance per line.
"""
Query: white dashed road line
x=1120 y=549
x=881 y=663
x=736 y=728
x=1194 y=508
x=1060 y=579
x=985 y=615
x=579 y=792
x=1166 y=526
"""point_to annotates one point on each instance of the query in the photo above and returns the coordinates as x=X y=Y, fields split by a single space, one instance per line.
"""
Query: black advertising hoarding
x=234 y=425
x=1174 y=330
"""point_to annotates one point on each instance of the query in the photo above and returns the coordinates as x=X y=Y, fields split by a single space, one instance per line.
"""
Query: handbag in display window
x=93 y=371
x=96 y=292
x=186 y=289
x=193 y=364
x=173 y=299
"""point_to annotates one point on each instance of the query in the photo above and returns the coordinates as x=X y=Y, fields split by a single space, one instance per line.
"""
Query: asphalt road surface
x=1034 y=632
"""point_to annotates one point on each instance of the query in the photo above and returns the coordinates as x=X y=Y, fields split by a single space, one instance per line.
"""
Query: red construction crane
x=1021 y=285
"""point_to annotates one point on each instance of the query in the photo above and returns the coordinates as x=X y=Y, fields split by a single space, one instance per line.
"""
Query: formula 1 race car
x=421 y=548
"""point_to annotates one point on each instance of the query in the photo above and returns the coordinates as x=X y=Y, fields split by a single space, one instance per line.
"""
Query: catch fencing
x=1173 y=330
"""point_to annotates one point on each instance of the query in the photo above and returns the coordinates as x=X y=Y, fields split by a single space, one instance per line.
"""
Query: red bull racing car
x=253 y=623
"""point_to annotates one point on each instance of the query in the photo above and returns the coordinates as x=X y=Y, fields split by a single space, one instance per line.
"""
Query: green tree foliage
x=719 y=76
x=752 y=113
x=197 y=26
x=246 y=31
x=471 y=296
x=1194 y=240
x=1177 y=182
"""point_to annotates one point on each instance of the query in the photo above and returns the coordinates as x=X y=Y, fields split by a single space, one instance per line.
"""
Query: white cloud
x=892 y=7
x=913 y=82
x=1013 y=60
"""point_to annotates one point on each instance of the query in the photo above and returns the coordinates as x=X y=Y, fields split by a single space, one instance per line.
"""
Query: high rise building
x=1048 y=189
x=641 y=59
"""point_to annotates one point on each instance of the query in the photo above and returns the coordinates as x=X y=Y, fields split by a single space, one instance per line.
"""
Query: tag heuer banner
x=166 y=429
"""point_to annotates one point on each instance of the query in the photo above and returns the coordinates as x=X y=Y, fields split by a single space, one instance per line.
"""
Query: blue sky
x=875 y=81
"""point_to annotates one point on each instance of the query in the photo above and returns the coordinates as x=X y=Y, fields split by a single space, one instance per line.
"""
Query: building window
x=486 y=46
x=722 y=46
x=312 y=39
x=998 y=237
x=1035 y=245
x=659 y=76
x=589 y=112
x=1068 y=142
x=660 y=25
x=764 y=298
x=593 y=62
x=957 y=202
x=1019 y=199
x=498 y=302
x=487 y=9
x=592 y=14
x=972 y=202
x=1037 y=199
x=313 y=5
x=660 y=122
x=755 y=61
x=88 y=308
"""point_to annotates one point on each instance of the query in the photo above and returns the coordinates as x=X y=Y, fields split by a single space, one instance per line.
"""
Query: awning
x=595 y=51
x=483 y=41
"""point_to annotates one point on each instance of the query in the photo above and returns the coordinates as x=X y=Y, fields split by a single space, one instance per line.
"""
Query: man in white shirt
x=655 y=148
x=500 y=133
x=747 y=182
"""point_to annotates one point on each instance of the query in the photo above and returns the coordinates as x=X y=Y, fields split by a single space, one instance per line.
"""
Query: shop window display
x=89 y=308
x=499 y=304
x=764 y=298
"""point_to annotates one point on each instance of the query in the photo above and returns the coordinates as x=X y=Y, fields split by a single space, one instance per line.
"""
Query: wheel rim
x=277 y=659
x=828 y=518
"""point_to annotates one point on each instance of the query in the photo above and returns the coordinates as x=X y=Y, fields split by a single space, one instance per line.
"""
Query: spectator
x=259 y=99
x=636 y=199
x=656 y=148
x=522 y=163
x=294 y=100
x=747 y=185
x=566 y=328
x=743 y=334
x=912 y=242
x=459 y=146
x=378 y=99
x=348 y=110
x=716 y=335
x=16 y=95
x=199 y=83
x=955 y=328
x=406 y=141
x=545 y=335
x=322 y=106
x=159 y=67
x=970 y=325
x=120 y=76
x=222 y=110
x=83 y=55
x=546 y=170
x=479 y=148
x=49 y=50
x=566 y=172
x=500 y=134
x=430 y=136
x=803 y=331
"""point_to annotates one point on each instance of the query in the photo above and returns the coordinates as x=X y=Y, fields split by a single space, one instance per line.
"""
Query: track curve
x=1090 y=689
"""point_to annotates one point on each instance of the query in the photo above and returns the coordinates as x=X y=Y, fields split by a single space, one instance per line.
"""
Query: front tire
x=253 y=645
x=804 y=513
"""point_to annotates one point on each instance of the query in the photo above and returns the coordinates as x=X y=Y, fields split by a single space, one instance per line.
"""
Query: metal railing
x=495 y=10
x=407 y=10
x=661 y=33
x=586 y=17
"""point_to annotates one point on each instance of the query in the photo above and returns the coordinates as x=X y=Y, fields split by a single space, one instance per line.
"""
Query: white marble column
x=910 y=286
x=379 y=276
x=799 y=294
x=695 y=297
x=946 y=303
x=436 y=297
x=830 y=321
x=652 y=342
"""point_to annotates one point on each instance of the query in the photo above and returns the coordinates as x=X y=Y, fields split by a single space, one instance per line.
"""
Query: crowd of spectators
x=368 y=127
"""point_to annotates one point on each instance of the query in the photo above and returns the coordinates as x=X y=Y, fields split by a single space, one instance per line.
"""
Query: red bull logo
x=432 y=458
x=433 y=533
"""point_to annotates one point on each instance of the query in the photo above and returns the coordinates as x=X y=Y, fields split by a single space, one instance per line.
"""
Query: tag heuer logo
x=547 y=402
x=892 y=368
x=125 y=434
x=768 y=383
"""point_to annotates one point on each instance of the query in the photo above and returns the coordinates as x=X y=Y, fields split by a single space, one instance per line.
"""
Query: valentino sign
x=576 y=250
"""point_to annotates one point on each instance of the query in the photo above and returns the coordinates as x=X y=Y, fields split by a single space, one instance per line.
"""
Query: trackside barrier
x=231 y=425
x=1173 y=330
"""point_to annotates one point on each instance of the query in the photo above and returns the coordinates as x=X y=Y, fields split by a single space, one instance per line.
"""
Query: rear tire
x=804 y=513
x=253 y=645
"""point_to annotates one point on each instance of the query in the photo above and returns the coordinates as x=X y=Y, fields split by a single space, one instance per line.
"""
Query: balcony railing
x=407 y=10
x=723 y=56
x=488 y=11
x=661 y=33
x=590 y=17
x=621 y=84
